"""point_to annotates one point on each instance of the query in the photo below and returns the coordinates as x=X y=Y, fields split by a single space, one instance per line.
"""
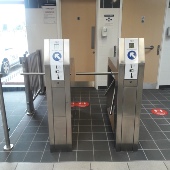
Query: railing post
x=8 y=146
x=28 y=91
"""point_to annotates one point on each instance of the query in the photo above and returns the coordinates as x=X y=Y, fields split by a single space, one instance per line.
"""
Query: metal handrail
x=32 y=74
x=96 y=73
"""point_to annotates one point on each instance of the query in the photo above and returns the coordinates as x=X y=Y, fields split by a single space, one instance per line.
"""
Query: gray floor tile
x=148 y=145
x=102 y=156
x=72 y=166
x=166 y=154
x=149 y=165
x=26 y=137
x=101 y=145
x=3 y=155
x=119 y=156
x=158 y=135
x=163 y=144
x=67 y=156
x=50 y=157
x=33 y=157
x=8 y=166
x=16 y=157
x=99 y=136
x=167 y=164
x=138 y=155
x=85 y=156
x=37 y=146
x=109 y=166
x=35 y=166
x=154 y=155
x=85 y=145
x=85 y=136
x=42 y=137
x=22 y=146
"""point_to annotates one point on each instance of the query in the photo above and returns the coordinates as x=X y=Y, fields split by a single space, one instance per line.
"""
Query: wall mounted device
x=104 y=32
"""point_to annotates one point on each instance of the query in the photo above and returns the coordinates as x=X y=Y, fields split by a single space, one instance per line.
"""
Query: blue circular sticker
x=132 y=55
x=57 y=56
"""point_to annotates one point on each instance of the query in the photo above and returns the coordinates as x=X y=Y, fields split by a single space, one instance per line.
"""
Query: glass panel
x=13 y=42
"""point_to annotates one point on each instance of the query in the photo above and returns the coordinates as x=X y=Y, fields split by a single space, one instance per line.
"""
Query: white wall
x=105 y=46
x=37 y=30
x=164 y=65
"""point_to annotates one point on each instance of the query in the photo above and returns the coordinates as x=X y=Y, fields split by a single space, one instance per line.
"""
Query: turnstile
x=57 y=71
x=124 y=94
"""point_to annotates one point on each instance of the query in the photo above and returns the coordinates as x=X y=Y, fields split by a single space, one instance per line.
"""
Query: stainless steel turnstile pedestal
x=57 y=76
x=124 y=95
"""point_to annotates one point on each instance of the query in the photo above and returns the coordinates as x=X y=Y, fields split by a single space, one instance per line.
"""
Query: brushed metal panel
x=129 y=101
x=141 y=48
x=121 y=70
x=58 y=102
x=130 y=83
x=55 y=83
x=66 y=52
x=141 y=67
x=46 y=52
x=49 y=104
x=119 y=109
x=67 y=90
x=60 y=130
x=69 y=130
x=127 y=132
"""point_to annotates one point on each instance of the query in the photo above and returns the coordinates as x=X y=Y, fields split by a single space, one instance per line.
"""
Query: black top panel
x=109 y=3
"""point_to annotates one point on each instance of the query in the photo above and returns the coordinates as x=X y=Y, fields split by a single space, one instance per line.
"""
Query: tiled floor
x=93 y=139
x=139 y=165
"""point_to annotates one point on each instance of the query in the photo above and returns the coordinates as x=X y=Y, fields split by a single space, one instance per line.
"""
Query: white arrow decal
x=132 y=55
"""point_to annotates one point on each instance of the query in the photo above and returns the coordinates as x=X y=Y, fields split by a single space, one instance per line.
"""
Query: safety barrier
x=34 y=85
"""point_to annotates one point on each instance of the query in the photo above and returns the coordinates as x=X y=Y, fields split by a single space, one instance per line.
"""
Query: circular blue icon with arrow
x=57 y=56
x=132 y=55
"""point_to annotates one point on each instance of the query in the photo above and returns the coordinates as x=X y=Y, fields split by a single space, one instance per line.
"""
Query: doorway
x=78 y=25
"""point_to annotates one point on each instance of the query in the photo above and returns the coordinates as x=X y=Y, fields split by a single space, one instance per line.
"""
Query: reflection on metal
x=149 y=48
x=124 y=98
x=92 y=37
x=96 y=73
x=58 y=95
x=82 y=83
x=7 y=146
x=32 y=74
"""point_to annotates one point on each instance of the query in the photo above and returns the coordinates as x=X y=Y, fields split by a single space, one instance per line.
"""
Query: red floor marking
x=73 y=104
x=79 y=104
x=159 y=112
